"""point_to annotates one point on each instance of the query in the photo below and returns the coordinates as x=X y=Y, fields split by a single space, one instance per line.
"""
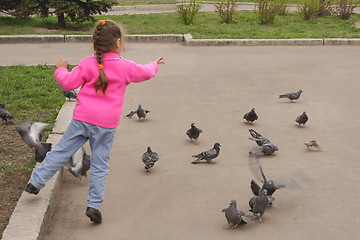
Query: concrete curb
x=32 y=214
x=32 y=39
x=186 y=39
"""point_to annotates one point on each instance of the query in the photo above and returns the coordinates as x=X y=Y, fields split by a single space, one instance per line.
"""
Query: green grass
x=206 y=25
x=31 y=93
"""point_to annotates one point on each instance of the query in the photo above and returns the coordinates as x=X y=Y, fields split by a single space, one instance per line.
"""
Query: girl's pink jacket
x=95 y=108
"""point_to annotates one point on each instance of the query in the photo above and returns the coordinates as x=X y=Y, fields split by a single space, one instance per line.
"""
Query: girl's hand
x=61 y=63
x=160 y=60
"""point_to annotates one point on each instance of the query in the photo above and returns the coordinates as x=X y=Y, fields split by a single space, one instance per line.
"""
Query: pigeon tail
x=196 y=161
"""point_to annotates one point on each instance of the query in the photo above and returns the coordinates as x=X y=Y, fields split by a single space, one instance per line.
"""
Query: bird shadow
x=312 y=150
x=296 y=125
x=287 y=102
x=248 y=123
x=189 y=142
x=204 y=163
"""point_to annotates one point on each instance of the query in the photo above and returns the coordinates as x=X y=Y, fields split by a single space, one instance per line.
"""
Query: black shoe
x=31 y=189
x=94 y=214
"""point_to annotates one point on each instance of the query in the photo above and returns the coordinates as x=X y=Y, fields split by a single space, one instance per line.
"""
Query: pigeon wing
x=256 y=169
x=154 y=157
x=297 y=180
x=209 y=153
x=254 y=134
x=245 y=214
x=257 y=152
x=78 y=156
x=224 y=210
x=36 y=130
x=255 y=188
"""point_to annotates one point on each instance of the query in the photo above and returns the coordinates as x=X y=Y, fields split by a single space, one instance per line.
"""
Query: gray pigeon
x=251 y=116
x=259 y=203
x=292 y=96
x=302 y=119
x=79 y=163
x=32 y=137
x=255 y=136
x=149 y=158
x=208 y=155
x=141 y=113
x=233 y=216
x=193 y=132
x=5 y=115
x=70 y=94
x=267 y=149
x=294 y=181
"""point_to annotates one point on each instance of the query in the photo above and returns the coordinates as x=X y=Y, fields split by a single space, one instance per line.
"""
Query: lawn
x=207 y=25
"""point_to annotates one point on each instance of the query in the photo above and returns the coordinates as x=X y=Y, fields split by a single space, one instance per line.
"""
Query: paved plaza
x=214 y=87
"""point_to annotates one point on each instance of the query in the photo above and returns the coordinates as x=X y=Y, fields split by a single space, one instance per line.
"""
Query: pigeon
x=32 y=137
x=79 y=163
x=149 y=158
x=41 y=154
x=296 y=180
x=70 y=94
x=255 y=136
x=251 y=116
x=267 y=149
x=130 y=114
x=141 y=113
x=312 y=144
x=233 y=216
x=193 y=132
x=5 y=115
x=259 y=203
x=292 y=96
x=302 y=119
x=208 y=155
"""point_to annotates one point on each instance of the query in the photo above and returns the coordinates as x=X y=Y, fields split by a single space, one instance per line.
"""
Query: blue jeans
x=78 y=133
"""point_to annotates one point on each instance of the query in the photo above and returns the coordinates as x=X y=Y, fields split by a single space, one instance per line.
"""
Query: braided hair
x=105 y=35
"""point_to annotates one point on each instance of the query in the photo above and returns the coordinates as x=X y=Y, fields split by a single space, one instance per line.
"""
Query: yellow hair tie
x=102 y=22
x=100 y=66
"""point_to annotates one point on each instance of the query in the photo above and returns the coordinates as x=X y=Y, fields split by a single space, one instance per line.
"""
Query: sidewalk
x=213 y=87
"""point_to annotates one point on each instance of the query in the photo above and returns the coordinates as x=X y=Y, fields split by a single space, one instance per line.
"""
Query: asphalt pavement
x=213 y=87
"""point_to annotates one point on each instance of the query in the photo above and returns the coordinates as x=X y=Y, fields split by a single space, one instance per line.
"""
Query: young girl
x=103 y=78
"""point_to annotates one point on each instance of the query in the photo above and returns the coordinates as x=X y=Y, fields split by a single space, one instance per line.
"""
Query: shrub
x=226 y=9
x=313 y=9
x=281 y=7
x=344 y=9
x=188 y=10
x=266 y=11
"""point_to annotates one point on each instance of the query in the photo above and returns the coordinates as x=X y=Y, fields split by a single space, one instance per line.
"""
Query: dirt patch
x=357 y=24
x=46 y=30
x=15 y=162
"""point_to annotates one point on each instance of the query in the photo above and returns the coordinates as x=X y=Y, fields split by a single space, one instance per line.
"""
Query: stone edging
x=186 y=39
